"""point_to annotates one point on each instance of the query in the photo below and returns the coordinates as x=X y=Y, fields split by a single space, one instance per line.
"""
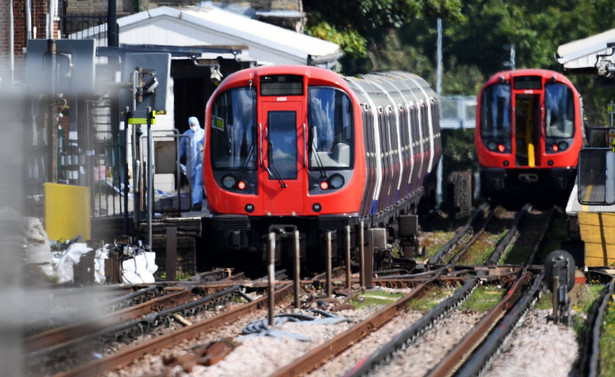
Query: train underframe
x=497 y=181
x=245 y=239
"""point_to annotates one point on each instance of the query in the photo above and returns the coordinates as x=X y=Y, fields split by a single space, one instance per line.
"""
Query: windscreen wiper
x=273 y=172
x=245 y=163
x=321 y=167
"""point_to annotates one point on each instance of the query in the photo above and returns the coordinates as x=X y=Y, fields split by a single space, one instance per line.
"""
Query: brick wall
x=38 y=13
x=125 y=7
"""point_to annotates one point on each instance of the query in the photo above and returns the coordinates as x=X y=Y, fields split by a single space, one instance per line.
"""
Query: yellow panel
x=589 y=218
x=598 y=255
x=531 y=155
x=67 y=211
x=593 y=233
x=598 y=234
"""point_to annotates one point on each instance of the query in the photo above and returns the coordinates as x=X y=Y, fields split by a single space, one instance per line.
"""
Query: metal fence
x=458 y=112
x=84 y=26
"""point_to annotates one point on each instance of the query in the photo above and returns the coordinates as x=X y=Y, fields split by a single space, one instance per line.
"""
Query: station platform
x=596 y=228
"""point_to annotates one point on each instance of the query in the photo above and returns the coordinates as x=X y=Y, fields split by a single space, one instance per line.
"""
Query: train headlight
x=562 y=145
x=492 y=146
x=228 y=182
x=241 y=185
x=555 y=148
x=501 y=148
x=336 y=181
x=324 y=185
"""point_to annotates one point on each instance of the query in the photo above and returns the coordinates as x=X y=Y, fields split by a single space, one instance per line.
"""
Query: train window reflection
x=559 y=111
x=282 y=126
x=495 y=111
x=233 y=130
x=331 y=124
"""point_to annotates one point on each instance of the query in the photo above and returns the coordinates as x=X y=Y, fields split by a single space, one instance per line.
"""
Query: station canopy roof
x=593 y=54
x=209 y=25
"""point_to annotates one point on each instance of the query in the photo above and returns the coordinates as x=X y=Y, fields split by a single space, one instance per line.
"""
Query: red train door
x=283 y=170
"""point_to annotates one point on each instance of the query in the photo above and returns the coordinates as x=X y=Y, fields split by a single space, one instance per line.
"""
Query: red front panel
x=283 y=172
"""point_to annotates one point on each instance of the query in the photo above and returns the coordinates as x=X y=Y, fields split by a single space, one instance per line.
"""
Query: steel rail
x=488 y=348
x=541 y=239
x=495 y=257
x=463 y=349
x=455 y=259
x=72 y=333
x=588 y=362
x=342 y=341
x=98 y=366
x=411 y=334
x=446 y=249
x=138 y=325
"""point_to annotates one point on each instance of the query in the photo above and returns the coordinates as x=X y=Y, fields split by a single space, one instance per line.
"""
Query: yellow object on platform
x=598 y=234
x=67 y=211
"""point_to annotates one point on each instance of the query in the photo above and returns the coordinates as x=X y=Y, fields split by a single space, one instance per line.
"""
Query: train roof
x=545 y=73
x=372 y=83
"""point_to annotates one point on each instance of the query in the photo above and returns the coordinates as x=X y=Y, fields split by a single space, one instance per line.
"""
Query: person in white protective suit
x=195 y=143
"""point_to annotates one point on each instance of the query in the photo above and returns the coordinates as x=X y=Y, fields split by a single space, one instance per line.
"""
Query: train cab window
x=233 y=130
x=559 y=111
x=495 y=116
x=331 y=129
x=282 y=150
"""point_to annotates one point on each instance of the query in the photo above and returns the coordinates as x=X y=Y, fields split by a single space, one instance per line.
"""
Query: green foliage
x=401 y=34
x=483 y=298
x=432 y=298
x=607 y=342
x=350 y=41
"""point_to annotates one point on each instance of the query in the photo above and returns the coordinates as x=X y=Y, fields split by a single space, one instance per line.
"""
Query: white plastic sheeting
x=58 y=265
x=139 y=269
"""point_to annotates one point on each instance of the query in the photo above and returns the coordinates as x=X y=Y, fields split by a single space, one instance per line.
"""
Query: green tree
x=357 y=25
x=394 y=34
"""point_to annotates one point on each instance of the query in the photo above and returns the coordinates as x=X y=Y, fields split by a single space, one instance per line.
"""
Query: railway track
x=192 y=343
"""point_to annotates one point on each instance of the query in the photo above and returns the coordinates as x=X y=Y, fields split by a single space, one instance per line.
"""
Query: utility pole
x=511 y=62
x=439 y=59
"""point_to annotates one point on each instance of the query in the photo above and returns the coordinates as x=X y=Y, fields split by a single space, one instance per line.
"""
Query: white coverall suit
x=196 y=145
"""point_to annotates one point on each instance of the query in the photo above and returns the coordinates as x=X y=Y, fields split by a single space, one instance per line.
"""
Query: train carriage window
x=331 y=125
x=559 y=111
x=424 y=125
x=233 y=130
x=414 y=128
x=495 y=116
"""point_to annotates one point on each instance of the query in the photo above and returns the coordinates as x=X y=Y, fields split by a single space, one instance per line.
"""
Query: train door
x=283 y=169
x=527 y=129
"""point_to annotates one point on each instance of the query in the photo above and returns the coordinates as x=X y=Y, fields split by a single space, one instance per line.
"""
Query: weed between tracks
x=432 y=298
x=483 y=298
x=607 y=342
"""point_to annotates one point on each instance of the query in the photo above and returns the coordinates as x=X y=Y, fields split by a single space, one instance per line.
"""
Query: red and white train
x=306 y=147
x=528 y=132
